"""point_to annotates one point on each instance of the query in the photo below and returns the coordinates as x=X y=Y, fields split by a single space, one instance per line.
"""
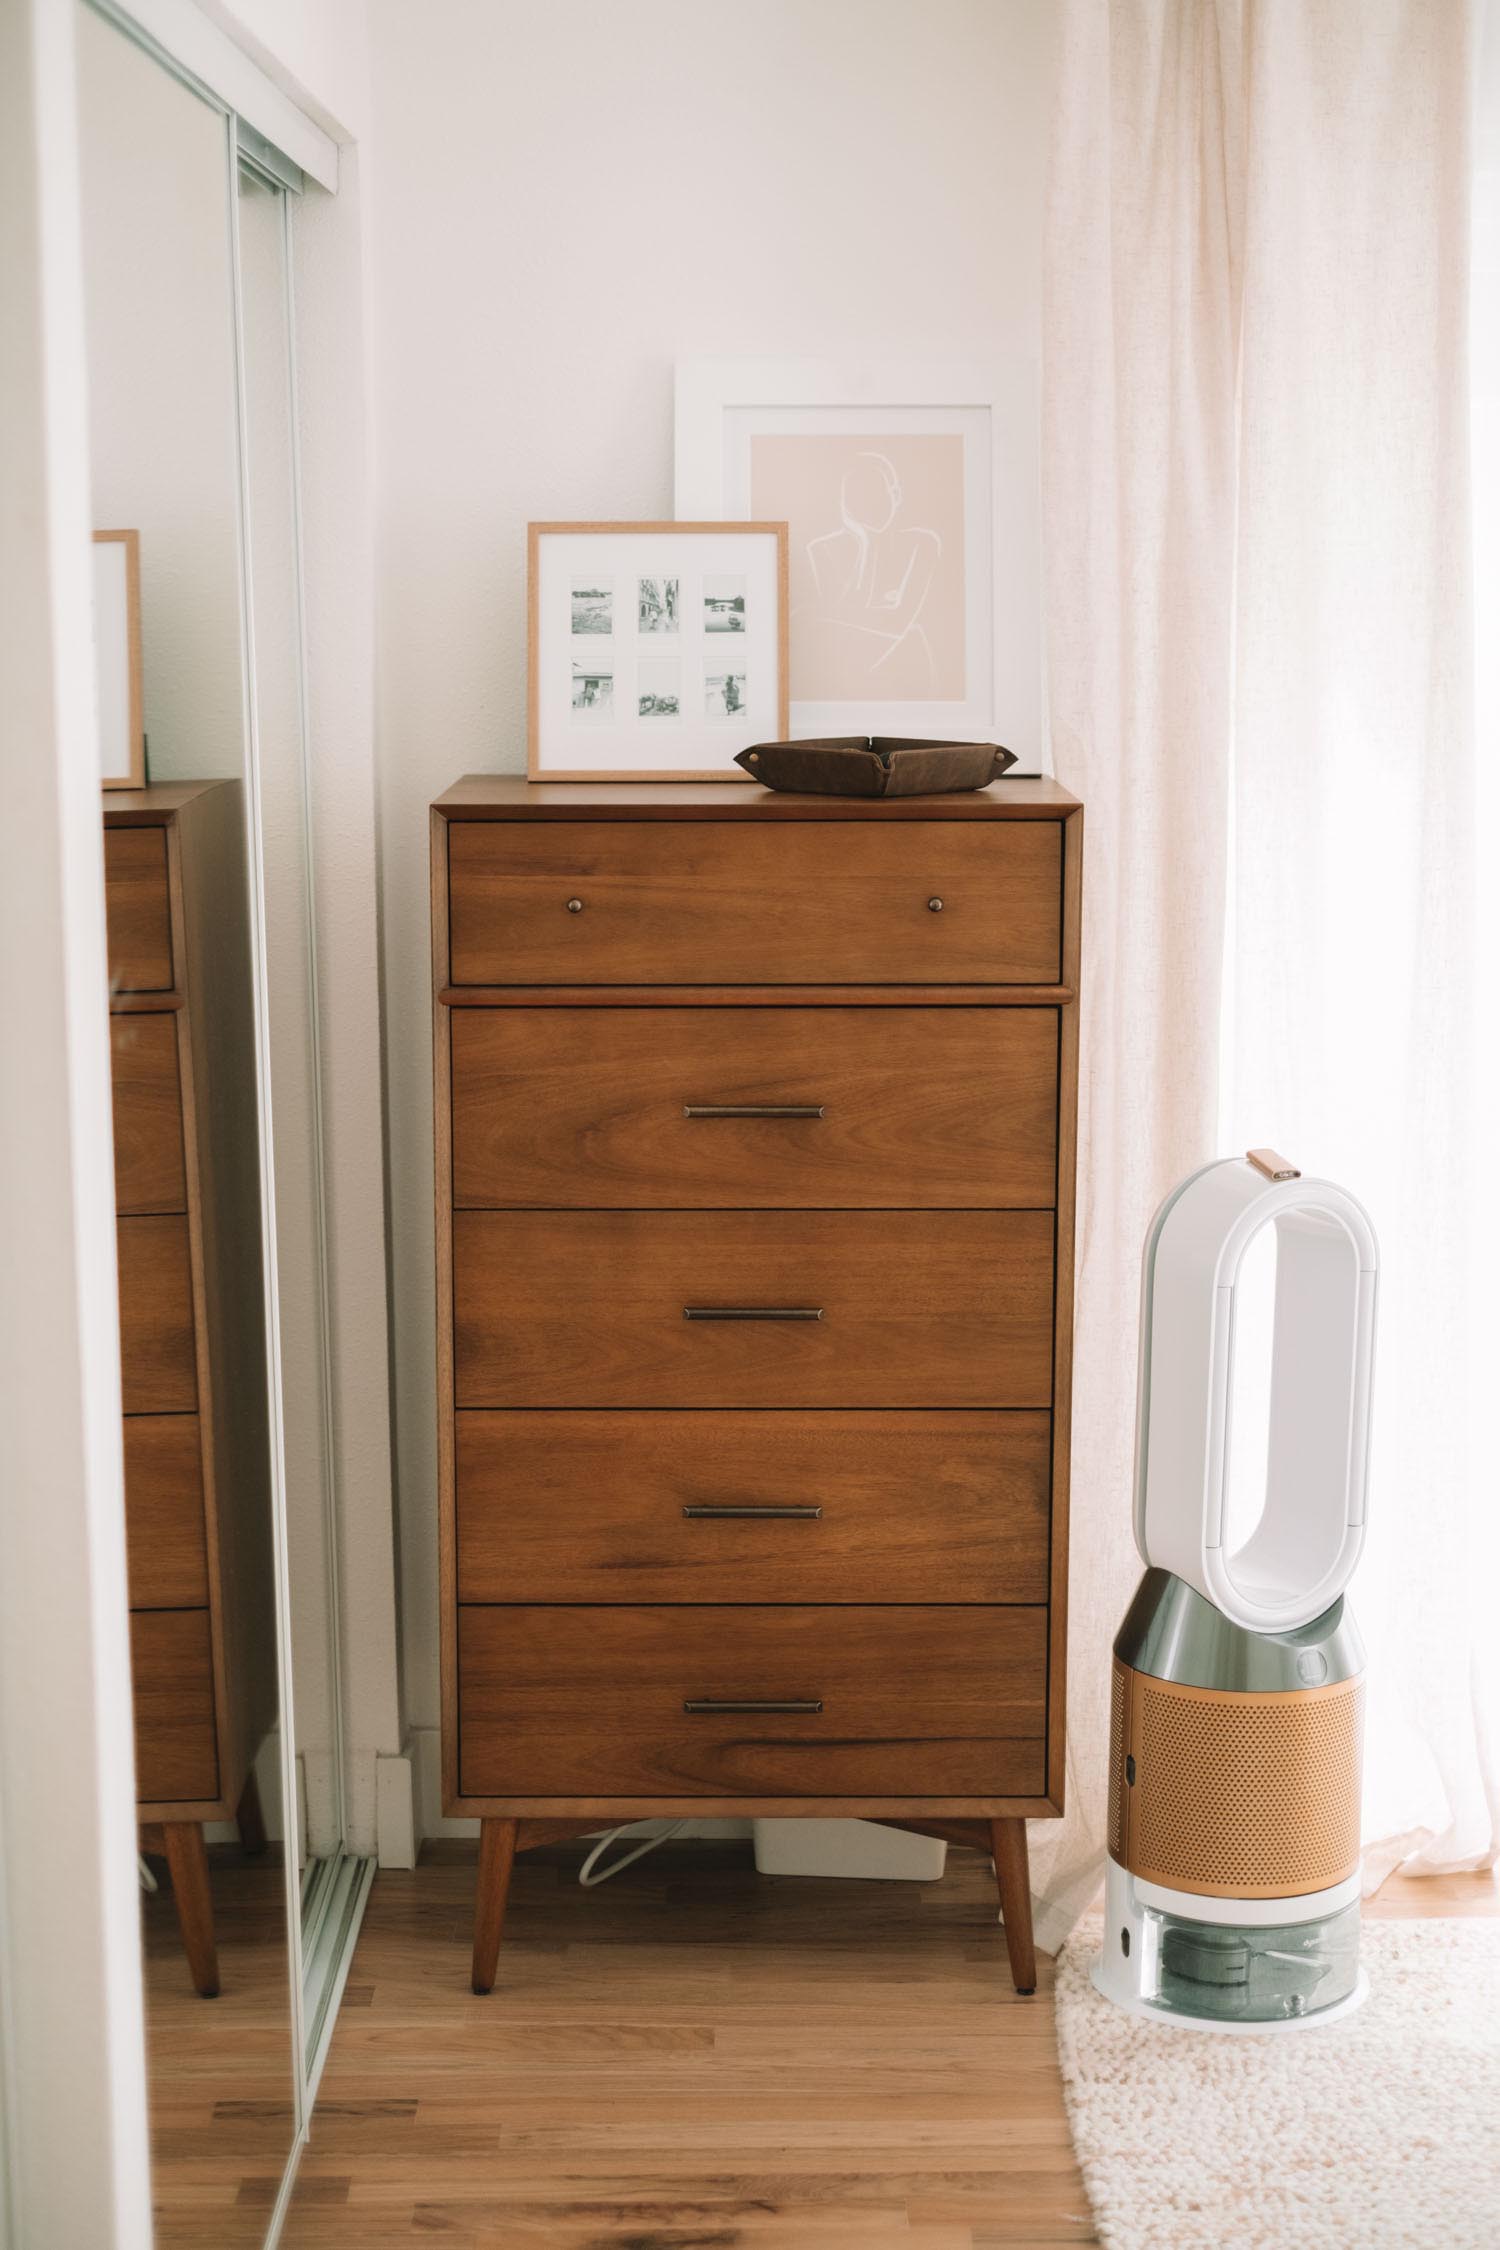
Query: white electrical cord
x=591 y=1881
x=148 y=1880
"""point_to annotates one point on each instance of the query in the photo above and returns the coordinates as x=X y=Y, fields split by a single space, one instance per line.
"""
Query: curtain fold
x=1139 y=350
x=1255 y=492
x=1352 y=1033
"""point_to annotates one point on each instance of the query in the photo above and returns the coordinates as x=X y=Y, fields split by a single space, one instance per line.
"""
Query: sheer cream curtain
x=1139 y=351
x=1256 y=510
x=1352 y=1034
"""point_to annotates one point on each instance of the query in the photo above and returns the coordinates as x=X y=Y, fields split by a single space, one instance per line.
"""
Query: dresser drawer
x=910 y=1106
x=137 y=909
x=914 y=1701
x=642 y=1507
x=166 y=1541
x=158 y=1364
x=149 y=1171
x=810 y=902
x=172 y=1683
x=587 y=1308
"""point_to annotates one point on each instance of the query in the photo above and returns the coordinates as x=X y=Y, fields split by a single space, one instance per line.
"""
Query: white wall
x=73 y=2146
x=162 y=387
x=566 y=198
x=314 y=50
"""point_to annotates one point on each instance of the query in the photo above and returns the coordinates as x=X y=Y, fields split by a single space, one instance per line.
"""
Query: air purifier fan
x=1235 y=1729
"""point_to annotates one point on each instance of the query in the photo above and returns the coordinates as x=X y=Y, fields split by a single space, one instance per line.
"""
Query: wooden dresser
x=192 y=1327
x=755 y=1153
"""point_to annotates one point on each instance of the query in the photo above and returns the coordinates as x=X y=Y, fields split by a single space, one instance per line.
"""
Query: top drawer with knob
x=692 y=902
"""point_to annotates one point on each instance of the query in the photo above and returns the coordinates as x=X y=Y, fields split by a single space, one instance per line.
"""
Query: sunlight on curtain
x=1139 y=352
x=1257 y=519
x=1355 y=1028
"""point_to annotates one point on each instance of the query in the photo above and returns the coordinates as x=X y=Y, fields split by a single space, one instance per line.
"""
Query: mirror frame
x=325 y=1902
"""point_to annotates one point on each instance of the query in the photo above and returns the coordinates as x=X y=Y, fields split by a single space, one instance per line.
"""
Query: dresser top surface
x=489 y=796
x=157 y=801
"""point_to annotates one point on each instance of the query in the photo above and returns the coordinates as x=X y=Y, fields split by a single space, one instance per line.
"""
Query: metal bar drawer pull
x=698 y=1704
x=752 y=1109
x=750 y=1508
x=752 y=1312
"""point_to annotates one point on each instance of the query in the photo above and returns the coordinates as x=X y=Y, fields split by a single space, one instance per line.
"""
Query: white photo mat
x=656 y=650
x=971 y=667
x=117 y=659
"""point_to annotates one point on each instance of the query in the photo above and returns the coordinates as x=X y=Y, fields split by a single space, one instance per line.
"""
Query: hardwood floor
x=699 y=2058
x=219 y=2072
x=692 y=2056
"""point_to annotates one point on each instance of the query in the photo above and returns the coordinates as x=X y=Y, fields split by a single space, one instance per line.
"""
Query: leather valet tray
x=881 y=765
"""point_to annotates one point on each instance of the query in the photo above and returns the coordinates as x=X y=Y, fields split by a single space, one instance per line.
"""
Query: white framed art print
x=656 y=650
x=912 y=494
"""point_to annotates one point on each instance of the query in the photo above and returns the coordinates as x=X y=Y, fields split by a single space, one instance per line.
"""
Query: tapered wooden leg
x=497 y=1856
x=249 y=1818
x=187 y=1858
x=1013 y=1875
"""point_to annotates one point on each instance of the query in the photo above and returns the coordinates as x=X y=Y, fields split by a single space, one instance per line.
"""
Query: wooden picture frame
x=117 y=659
x=654 y=651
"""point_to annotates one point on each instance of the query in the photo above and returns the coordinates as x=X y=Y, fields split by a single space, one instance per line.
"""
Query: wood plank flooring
x=219 y=2071
x=692 y=2056
x=698 y=2058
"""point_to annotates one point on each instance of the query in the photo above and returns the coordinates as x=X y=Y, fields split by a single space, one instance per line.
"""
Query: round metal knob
x=934 y=906
x=575 y=906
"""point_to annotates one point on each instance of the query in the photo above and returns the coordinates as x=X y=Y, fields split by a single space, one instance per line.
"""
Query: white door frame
x=72 y=2052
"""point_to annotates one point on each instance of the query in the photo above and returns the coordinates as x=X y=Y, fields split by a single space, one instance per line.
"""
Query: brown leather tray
x=881 y=765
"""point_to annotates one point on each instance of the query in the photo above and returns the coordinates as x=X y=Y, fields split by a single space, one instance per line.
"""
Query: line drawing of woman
x=872 y=580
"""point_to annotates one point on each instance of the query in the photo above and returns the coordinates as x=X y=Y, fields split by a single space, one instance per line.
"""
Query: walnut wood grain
x=165 y=1538
x=497 y=1857
x=920 y=1106
x=193 y=1339
x=171 y=1672
x=187 y=1860
x=585 y=1308
x=220 y=1120
x=916 y=1507
x=158 y=1365
x=442 y=1074
x=137 y=913
x=1062 y=1322
x=798 y=904
x=150 y=1173
x=1013 y=1880
x=939 y=1700
x=492 y=796
x=737 y=996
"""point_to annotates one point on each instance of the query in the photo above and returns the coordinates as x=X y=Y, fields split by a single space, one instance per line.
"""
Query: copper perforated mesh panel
x=1250 y=1796
x=1118 y=1690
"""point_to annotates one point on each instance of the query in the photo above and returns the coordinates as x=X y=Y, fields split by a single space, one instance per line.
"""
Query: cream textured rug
x=1377 y=2132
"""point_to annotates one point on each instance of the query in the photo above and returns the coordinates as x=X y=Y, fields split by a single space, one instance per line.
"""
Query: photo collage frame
x=657 y=650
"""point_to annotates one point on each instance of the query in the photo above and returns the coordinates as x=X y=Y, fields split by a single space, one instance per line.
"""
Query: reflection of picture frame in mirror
x=117 y=659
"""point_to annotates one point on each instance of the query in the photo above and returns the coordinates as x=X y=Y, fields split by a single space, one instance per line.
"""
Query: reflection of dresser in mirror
x=192 y=1327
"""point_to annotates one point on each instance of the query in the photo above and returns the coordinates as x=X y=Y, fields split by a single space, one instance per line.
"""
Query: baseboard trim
x=398 y=1825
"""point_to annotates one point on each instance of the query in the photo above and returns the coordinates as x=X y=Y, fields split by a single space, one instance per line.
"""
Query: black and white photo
x=723 y=602
x=657 y=605
x=593 y=691
x=593 y=606
x=724 y=695
x=658 y=688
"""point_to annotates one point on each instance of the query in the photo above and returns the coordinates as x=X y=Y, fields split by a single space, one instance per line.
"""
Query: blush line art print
x=877 y=562
x=873 y=578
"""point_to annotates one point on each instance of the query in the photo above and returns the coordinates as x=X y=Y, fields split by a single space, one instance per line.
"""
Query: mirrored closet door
x=248 y=1895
